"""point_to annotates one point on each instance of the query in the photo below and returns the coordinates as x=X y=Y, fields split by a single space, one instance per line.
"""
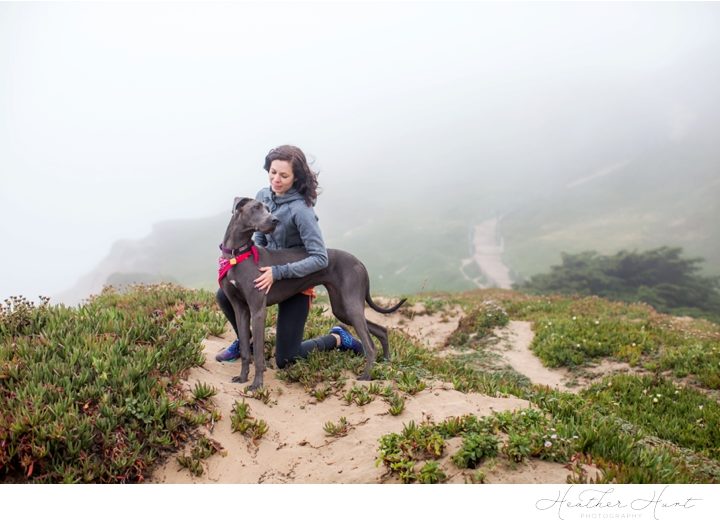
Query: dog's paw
x=239 y=379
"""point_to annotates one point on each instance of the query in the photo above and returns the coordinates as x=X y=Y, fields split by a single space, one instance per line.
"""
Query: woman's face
x=281 y=176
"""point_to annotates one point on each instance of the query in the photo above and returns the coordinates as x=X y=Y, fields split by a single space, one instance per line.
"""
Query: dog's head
x=251 y=215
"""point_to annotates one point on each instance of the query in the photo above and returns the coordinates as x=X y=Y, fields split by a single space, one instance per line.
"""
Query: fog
x=116 y=116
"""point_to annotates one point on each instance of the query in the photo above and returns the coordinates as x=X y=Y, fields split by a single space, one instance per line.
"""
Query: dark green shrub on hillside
x=659 y=277
x=91 y=394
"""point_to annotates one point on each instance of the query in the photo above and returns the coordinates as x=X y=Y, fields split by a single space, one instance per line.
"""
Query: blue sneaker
x=231 y=353
x=347 y=341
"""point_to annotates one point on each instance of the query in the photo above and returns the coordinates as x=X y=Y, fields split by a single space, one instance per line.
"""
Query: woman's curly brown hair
x=305 y=179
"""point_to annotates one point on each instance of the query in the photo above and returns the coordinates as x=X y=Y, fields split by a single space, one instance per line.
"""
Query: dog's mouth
x=267 y=228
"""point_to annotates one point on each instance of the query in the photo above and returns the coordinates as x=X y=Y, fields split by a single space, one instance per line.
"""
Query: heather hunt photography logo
x=632 y=502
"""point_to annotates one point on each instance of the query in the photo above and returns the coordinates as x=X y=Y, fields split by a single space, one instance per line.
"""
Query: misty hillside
x=668 y=197
x=615 y=167
x=630 y=205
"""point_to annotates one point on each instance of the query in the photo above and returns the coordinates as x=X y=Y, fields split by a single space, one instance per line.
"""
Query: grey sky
x=117 y=116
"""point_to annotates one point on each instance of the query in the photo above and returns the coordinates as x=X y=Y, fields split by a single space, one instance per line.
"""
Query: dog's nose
x=275 y=221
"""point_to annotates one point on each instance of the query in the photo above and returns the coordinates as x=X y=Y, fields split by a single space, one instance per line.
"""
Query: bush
x=91 y=393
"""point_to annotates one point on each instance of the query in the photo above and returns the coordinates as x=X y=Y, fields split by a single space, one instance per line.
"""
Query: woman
x=291 y=196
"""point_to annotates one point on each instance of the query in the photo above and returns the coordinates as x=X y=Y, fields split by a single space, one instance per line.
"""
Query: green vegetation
x=92 y=394
x=659 y=277
x=337 y=430
x=242 y=421
x=203 y=448
x=528 y=432
x=477 y=324
x=574 y=331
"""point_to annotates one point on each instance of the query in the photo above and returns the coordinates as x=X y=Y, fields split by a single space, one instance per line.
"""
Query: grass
x=94 y=392
x=529 y=433
x=241 y=420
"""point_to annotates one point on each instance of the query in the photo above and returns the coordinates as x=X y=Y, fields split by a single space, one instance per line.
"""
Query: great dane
x=345 y=278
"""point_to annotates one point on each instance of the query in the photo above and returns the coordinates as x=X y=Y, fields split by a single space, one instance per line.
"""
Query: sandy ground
x=514 y=347
x=296 y=448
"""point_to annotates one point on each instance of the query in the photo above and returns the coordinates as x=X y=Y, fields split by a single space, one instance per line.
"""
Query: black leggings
x=292 y=315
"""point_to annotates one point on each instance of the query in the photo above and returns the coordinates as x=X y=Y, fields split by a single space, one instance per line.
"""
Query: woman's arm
x=311 y=236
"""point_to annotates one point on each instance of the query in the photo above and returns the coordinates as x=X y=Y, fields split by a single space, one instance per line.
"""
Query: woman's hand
x=265 y=280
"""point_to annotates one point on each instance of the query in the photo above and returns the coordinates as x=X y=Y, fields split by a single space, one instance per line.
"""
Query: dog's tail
x=377 y=308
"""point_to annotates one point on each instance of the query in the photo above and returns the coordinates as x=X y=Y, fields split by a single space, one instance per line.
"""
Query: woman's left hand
x=265 y=280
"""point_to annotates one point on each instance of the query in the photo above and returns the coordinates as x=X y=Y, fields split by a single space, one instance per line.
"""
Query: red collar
x=225 y=264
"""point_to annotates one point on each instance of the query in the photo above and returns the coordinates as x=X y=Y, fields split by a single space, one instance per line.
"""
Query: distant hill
x=640 y=189
x=666 y=197
x=179 y=251
x=186 y=251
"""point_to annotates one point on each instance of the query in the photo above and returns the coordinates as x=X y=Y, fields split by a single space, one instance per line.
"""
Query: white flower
x=700 y=407
x=548 y=444
x=574 y=317
x=655 y=399
x=553 y=436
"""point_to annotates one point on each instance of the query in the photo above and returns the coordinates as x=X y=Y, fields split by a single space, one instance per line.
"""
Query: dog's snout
x=275 y=221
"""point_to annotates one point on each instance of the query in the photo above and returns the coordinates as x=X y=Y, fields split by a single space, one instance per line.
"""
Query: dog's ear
x=239 y=202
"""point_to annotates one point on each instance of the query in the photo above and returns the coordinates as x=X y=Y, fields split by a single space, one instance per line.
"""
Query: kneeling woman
x=291 y=196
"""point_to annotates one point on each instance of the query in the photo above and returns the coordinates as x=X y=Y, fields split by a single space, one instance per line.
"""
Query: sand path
x=514 y=347
x=296 y=448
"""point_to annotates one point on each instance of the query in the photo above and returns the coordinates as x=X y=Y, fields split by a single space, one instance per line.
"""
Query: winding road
x=487 y=248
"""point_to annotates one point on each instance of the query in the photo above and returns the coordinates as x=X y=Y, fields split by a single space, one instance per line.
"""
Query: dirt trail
x=488 y=254
x=514 y=346
x=296 y=448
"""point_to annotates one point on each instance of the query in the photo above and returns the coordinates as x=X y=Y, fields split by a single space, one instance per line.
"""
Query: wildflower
x=548 y=444
x=574 y=318
x=655 y=399
x=658 y=395
x=553 y=436
x=700 y=407
x=597 y=322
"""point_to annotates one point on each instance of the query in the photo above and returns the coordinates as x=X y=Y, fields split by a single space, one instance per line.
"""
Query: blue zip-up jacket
x=298 y=227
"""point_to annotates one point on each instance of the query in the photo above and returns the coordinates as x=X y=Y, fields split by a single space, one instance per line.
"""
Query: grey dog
x=345 y=278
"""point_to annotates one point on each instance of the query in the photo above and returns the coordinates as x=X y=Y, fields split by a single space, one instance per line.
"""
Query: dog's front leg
x=258 y=336
x=242 y=319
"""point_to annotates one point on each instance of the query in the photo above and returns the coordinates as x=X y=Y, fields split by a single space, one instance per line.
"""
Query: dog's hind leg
x=380 y=333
